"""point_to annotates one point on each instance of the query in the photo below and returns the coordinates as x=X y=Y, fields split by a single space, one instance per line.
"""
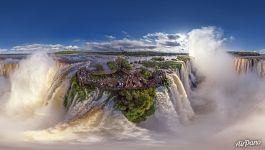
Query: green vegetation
x=244 y=53
x=123 y=63
x=146 y=73
x=67 y=52
x=119 y=63
x=158 y=59
x=166 y=82
x=184 y=58
x=112 y=65
x=99 y=67
x=136 y=105
x=82 y=92
x=149 y=64
x=169 y=64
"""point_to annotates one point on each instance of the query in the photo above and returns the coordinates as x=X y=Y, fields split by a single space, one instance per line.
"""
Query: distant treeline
x=125 y=53
x=244 y=53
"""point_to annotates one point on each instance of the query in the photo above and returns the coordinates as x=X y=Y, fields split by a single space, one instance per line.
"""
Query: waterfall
x=30 y=83
x=165 y=117
x=180 y=99
x=261 y=68
x=173 y=107
x=24 y=104
x=7 y=68
x=244 y=65
x=186 y=76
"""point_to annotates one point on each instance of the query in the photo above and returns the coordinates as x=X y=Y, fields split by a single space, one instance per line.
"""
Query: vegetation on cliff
x=76 y=91
x=146 y=73
x=184 y=58
x=136 y=105
x=169 y=64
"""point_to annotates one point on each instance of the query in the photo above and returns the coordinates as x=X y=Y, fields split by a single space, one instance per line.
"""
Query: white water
x=24 y=105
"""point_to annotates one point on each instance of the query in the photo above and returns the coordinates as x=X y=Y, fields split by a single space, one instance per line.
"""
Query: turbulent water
x=212 y=101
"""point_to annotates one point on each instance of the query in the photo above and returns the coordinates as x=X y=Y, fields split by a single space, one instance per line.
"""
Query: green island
x=133 y=88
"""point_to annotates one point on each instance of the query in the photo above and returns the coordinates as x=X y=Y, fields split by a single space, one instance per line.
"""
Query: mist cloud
x=233 y=98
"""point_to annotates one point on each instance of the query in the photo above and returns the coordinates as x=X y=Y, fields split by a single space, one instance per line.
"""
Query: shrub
x=162 y=65
x=123 y=63
x=149 y=64
x=146 y=73
x=169 y=65
x=99 y=67
x=112 y=65
x=136 y=105
x=158 y=59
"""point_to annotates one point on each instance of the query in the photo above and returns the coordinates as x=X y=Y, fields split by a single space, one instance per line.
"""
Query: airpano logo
x=247 y=143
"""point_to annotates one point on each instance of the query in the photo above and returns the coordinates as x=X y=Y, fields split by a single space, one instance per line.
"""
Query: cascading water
x=7 y=68
x=244 y=65
x=180 y=99
x=29 y=84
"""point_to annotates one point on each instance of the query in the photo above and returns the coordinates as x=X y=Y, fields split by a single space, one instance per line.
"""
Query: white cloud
x=151 y=42
x=124 y=44
x=262 y=51
x=167 y=42
x=2 y=50
x=41 y=47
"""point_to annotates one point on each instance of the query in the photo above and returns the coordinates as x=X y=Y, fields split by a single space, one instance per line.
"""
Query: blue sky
x=76 y=22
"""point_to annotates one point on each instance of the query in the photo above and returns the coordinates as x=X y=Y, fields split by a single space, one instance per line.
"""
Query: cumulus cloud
x=151 y=42
x=175 y=41
x=2 y=50
x=124 y=44
x=158 y=41
x=41 y=47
